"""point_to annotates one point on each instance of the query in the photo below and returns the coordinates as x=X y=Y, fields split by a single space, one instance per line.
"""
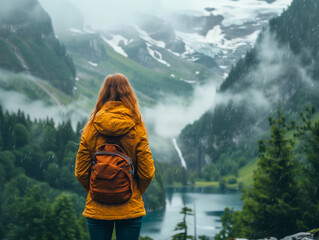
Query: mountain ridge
x=281 y=67
x=29 y=44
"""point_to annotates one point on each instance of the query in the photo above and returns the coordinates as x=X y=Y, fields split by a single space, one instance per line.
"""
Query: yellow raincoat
x=114 y=119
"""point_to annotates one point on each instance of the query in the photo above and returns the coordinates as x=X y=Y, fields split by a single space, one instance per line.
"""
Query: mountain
x=296 y=28
x=69 y=16
x=213 y=34
x=223 y=30
x=188 y=46
x=162 y=55
x=28 y=44
x=283 y=66
x=95 y=56
x=172 y=52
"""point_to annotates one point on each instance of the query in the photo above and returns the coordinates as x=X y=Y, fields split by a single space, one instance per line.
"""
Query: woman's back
x=116 y=119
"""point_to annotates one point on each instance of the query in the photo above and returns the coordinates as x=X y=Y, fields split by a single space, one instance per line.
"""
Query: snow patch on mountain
x=233 y=36
x=144 y=35
x=93 y=64
x=76 y=31
x=214 y=35
x=156 y=55
x=175 y=53
x=189 y=81
x=114 y=43
x=234 y=12
x=222 y=30
x=214 y=42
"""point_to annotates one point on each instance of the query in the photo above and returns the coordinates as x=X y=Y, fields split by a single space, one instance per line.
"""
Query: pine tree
x=65 y=133
x=1 y=127
x=48 y=139
x=65 y=218
x=8 y=137
x=31 y=157
x=81 y=230
x=22 y=135
x=271 y=205
x=182 y=226
x=308 y=134
x=27 y=217
x=228 y=230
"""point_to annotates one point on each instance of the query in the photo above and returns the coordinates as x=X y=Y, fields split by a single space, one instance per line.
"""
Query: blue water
x=209 y=205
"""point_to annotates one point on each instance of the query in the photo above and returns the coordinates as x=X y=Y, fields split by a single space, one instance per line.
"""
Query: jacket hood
x=114 y=119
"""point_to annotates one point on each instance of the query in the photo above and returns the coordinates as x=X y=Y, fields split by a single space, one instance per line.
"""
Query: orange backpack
x=111 y=175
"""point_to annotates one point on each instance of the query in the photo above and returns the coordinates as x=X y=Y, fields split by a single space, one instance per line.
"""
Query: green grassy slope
x=246 y=173
x=32 y=88
x=151 y=84
x=28 y=43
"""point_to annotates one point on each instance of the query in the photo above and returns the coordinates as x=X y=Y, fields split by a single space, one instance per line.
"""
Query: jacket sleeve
x=145 y=163
x=82 y=164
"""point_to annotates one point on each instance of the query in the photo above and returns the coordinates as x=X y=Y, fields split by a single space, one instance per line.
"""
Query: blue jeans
x=128 y=229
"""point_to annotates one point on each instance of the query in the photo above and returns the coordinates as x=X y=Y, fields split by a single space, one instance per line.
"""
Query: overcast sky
x=103 y=13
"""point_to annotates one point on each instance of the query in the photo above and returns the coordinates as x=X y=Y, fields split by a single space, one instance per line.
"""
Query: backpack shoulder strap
x=127 y=158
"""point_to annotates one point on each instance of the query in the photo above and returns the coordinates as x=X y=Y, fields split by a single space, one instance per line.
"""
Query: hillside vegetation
x=28 y=43
x=283 y=66
x=94 y=59
x=38 y=185
x=283 y=198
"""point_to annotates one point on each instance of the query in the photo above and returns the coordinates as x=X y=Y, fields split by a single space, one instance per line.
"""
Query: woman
x=116 y=116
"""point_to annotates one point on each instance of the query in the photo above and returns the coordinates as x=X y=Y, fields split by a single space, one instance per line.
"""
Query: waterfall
x=183 y=163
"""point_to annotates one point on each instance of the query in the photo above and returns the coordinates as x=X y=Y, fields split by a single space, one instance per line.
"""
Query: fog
x=13 y=101
x=7 y=8
x=279 y=73
x=102 y=14
x=171 y=116
x=276 y=78
x=260 y=91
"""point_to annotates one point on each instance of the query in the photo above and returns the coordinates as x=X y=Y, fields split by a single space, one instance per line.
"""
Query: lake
x=209 y=204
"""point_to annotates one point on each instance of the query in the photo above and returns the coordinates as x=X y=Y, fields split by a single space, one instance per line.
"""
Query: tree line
x=40 y=197
x=213 y=138
x=284 y=197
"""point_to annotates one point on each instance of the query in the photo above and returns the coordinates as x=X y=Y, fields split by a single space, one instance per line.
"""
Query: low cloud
x=104 y=13
x=10 y=8
x=260 y=91
x=277 y=77
x=13 y=101
x=170 y=117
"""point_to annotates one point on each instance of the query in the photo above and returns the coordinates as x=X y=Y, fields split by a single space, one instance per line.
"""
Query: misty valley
x=228 y=91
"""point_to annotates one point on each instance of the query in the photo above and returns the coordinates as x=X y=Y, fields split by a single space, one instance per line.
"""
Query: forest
x=226 y=134
x=39 y=193
x=28 y=43
x=284 y=196
x=264 y=119
x=40 y=196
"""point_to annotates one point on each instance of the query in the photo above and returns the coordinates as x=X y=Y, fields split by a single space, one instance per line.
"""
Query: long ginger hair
x=116 y=87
